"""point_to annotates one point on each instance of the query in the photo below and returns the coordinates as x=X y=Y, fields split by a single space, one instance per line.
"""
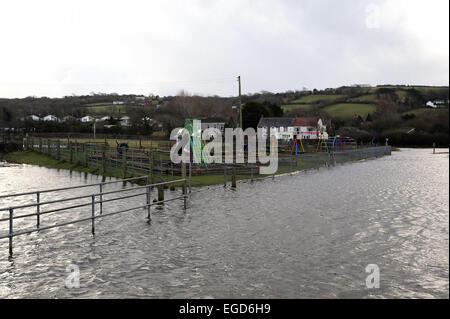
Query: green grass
x=369 y=98
x=107 y=109
x=420 y=111
x=132 y=143
x=34 y=158
x=296 y=107
x=350 y=110
x=317 y=98
x=100 y=104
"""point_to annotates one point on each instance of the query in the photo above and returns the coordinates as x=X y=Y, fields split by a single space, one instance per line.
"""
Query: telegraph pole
x=240 y=102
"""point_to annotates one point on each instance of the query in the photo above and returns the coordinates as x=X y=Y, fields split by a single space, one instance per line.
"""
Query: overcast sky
x=56 y=48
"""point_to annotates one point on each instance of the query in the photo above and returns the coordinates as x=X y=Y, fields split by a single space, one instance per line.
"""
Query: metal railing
x=96 y=198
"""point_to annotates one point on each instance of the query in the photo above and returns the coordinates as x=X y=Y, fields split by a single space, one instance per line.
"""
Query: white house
x=33 y=117
x=50 y=118
x=125 y=121
x=310 y=128
x=68 y=118
x=286 y=128
x=87 y=119
x=431 y=104
x=103 y=119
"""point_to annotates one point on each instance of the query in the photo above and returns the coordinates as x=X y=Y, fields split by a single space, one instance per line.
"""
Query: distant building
x=140 y=98
x=118 y=103
x=431 y=104
x=125 y=121
x=104 y=118
x=213 y=122
x=435 y=104
x=87 y=119
x=33 y=117
x=286 y=128
x=310 y=128
x=69 y=118
x=50 y=118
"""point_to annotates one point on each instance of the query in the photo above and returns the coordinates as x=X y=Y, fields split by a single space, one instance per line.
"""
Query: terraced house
x=288 y=128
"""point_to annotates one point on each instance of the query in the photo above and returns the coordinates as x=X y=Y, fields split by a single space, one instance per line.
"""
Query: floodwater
x=309 y=235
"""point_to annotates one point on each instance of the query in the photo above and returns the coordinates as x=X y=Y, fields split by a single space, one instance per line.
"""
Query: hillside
x=357 y=111
x=363 y=101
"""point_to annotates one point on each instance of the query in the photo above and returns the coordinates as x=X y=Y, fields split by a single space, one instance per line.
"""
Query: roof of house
x=213 y=120
x=276 y=121
x=306 y=121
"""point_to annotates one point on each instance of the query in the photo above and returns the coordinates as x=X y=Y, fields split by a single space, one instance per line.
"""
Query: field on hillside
x=369 y=98
x=421 y=111
x=350 y=110
x=317 y=97
x=105 y=108
x=295 y=107
x=423 y=89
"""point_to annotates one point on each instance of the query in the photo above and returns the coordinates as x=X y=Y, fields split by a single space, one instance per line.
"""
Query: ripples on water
x=305 y=236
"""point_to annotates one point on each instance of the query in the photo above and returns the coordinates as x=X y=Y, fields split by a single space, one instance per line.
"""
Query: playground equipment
x=339 y=143
x=195 y=143
x=320 y=143
x=295 y=146
x=298 y=142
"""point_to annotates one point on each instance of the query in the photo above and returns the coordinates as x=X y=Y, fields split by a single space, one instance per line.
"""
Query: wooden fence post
x=103 y=160
x=69 y=145
x=11 y=218
x=86 y=157
x=225 y=175
x=150 y=166
x=183 y=176
x=58 y=150
x=233 y=178
x=76 y=153
x=124 y=163
x=160 y=193
x=93 y=215
x=149 y=217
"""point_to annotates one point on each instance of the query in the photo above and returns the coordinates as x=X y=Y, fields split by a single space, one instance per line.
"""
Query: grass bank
x=34 y=158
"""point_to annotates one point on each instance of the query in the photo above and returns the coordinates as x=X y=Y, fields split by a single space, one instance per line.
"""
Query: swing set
x=335 y=143
x=298 y=143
